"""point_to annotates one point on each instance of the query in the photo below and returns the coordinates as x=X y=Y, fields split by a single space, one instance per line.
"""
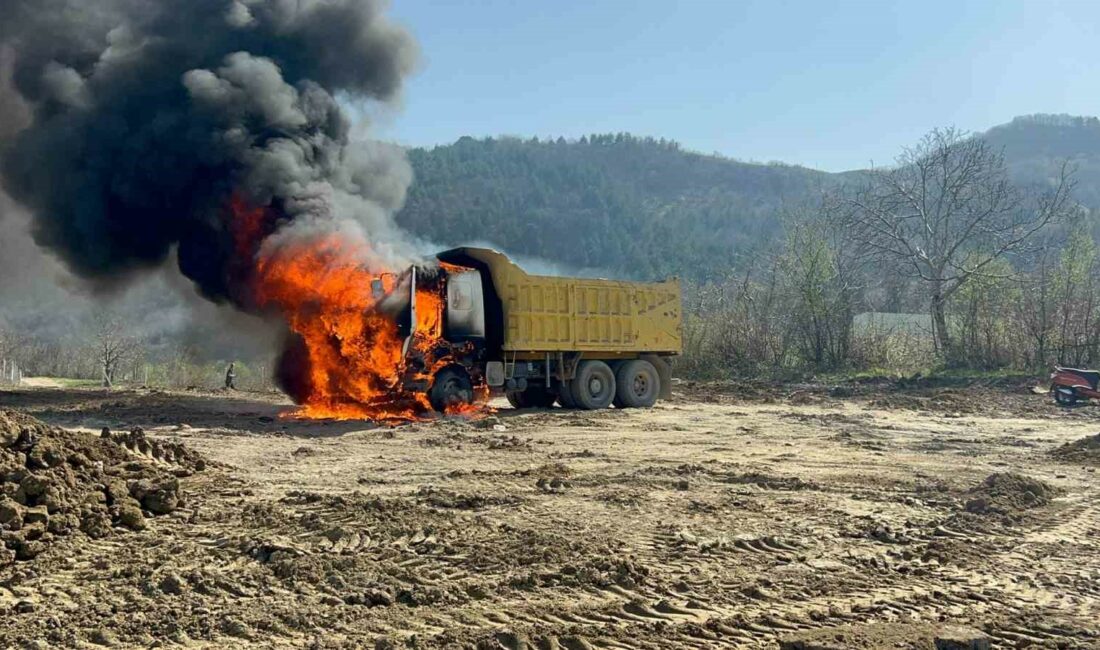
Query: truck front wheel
x=451 y=386
x=638 y=385
x=594 y=386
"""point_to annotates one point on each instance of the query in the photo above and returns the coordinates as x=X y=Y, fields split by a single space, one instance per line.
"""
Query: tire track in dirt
x=887 y=594
x=686 y=527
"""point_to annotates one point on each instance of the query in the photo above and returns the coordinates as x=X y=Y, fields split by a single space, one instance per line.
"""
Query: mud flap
x=494 y=373
x=664 y=372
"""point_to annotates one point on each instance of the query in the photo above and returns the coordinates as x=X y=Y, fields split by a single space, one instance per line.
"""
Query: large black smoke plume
x=140 y=120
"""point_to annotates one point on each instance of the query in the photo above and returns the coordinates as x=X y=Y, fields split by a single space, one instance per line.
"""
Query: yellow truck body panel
x=602 y=317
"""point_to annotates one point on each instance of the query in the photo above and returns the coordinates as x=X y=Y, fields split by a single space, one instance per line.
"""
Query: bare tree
x=946 y=213
x=113 y=344
x=7 y=347
x=7 y=340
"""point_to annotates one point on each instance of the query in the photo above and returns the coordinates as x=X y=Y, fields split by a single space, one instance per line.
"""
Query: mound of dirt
x=1009 y=493
x=184 y=460
x=55 y=483
x=1085 y=451
x=946 y=400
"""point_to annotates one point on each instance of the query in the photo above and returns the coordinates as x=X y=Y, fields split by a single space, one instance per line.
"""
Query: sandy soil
x=42 y=382
x=825 y=518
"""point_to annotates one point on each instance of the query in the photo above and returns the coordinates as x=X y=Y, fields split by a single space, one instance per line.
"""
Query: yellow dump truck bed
x=556 y=314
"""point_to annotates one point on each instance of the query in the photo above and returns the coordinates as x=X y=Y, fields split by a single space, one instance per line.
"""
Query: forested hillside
x=637 y=207
x=1036 y=145
x=642 y=207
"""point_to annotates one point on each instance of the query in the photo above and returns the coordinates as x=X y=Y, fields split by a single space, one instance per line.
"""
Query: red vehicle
x=1067 y=385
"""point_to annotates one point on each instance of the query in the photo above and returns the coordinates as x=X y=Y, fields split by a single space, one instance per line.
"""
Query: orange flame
x=348 y=360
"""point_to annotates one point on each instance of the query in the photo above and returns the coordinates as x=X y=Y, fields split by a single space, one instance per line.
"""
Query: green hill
x=638 y=207
x=642 y=207
x=1036 y=145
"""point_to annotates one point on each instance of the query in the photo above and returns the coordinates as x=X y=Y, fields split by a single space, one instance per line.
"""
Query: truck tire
x=638 y=385
x=594 y=386
x=541 y=398
x=451 y=386
x=565 y=395
x=534 y=397
x=1064 y=396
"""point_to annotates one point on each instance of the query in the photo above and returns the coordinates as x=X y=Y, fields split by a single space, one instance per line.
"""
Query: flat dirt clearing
x=712 y=521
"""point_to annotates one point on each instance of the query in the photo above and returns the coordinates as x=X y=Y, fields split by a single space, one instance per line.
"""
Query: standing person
x=230 y=376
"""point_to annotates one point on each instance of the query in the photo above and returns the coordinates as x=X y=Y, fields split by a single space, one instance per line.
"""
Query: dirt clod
x=104 y=637
x=36 y=515
x=129 y=515
x=235 y=628
x=11 y=514
x=159 y=496
x=172 y=584
x=961 y=638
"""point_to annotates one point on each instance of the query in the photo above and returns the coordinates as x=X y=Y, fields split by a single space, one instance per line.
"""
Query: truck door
x=465 y=316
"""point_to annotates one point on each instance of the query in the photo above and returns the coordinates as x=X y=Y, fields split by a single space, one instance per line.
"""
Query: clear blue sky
x=831 y=85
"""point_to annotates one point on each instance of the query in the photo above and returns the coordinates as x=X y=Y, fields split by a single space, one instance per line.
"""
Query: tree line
x=946 y=259
x=992 y=274
x=107 y=349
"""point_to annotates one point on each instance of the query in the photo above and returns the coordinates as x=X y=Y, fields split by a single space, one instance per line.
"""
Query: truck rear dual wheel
x=594 y=386
x=626 y=384
x=637 y=385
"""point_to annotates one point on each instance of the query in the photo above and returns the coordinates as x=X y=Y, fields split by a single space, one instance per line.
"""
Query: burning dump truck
x=583 y=343
x=233 y=155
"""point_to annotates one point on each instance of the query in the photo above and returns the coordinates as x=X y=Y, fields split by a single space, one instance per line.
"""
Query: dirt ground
x=823 y=517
